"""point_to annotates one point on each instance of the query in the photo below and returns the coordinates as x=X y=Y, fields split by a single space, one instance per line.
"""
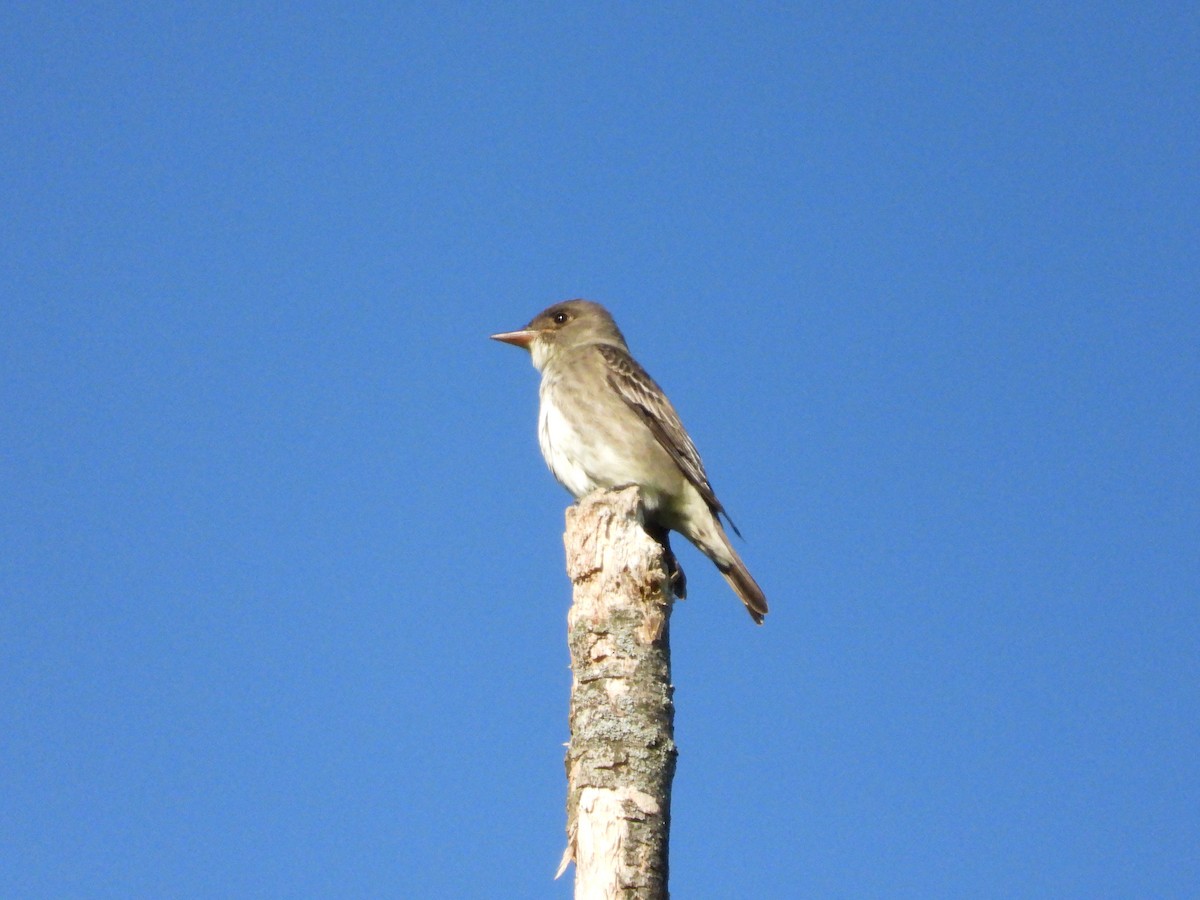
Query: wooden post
x=621 y=757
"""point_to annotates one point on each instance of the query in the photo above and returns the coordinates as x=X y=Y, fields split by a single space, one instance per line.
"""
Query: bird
x=604 y=423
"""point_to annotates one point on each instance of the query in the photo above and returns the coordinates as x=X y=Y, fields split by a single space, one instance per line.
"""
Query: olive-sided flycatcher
x=604 y=423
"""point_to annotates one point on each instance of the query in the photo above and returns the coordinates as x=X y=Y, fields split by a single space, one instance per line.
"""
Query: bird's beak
x=517 y=338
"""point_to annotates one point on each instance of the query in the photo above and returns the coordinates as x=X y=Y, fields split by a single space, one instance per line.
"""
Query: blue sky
x=282 y=598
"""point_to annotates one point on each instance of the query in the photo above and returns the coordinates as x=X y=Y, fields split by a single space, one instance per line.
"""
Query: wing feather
x=646 y=398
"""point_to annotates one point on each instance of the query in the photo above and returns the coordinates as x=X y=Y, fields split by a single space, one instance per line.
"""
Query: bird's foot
x=678 y=579
x=675 y=574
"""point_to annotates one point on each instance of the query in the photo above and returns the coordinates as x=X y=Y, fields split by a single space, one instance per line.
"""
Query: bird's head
x=564 y=326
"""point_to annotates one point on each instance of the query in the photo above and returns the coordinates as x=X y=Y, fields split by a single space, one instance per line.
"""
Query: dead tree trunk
x=621 y=757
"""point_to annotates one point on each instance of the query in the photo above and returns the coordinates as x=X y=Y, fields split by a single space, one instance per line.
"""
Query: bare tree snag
x=621 y=757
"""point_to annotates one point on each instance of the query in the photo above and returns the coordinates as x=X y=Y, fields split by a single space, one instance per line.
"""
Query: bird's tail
x=745 y=587
x=711 y=540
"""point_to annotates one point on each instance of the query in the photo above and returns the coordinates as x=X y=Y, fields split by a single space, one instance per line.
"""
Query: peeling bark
x=621 y=757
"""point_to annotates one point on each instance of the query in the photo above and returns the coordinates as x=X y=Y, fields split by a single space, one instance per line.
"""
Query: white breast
x=562 y=446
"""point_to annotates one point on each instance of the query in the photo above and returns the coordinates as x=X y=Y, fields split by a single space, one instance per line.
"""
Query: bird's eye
x=560 y=318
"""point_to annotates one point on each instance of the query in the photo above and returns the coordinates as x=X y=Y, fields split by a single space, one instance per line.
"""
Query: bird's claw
x=678 y=579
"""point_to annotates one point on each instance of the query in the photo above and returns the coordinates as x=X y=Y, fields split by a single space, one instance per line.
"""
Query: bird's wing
x=646 y=398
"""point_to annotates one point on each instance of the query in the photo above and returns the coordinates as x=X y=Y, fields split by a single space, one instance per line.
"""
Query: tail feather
x=747 y=589
x=711 y=540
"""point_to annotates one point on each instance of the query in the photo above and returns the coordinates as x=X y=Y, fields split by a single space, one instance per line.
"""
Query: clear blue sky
x=282 y=597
